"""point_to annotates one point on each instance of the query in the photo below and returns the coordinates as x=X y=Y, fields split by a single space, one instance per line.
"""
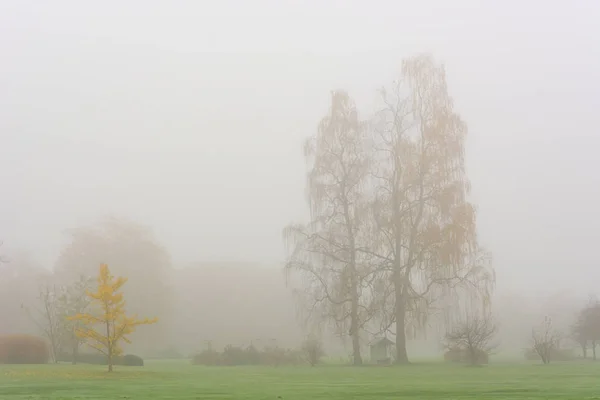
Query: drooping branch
x=425 y=224
x=325 y=252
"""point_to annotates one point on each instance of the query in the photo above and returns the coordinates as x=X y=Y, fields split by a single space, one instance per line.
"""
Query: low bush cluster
x=233 y=355
x=555 y=355
x=128 y=360
x=23 y=349
x=131 y=360
x=463 y=356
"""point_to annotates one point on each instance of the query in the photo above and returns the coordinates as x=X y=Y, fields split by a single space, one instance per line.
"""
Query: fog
x=189 y=118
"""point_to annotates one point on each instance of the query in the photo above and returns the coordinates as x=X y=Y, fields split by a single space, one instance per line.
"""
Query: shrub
x=234 y=355
x=23 y=349
x=207 y=357
x=101 y=359
x=132 y=360
x=313 y=350
x=459 y=355
x=555 y=355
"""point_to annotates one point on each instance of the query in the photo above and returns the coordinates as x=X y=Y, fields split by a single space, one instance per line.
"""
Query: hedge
x=130 y=360
x=23 y=349
x=460 y=355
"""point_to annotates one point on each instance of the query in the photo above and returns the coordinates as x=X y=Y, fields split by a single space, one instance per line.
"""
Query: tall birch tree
x=325 y=252
x=426 y=225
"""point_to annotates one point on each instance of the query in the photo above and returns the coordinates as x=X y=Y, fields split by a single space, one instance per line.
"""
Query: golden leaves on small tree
x=115 y=325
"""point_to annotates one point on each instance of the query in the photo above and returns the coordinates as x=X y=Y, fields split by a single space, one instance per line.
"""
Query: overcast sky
x=188 y=116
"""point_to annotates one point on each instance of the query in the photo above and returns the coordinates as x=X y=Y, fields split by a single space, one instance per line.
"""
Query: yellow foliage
x=115 y=324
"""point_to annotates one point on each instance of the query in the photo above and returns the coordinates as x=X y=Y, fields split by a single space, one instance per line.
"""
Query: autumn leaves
x=108 y=315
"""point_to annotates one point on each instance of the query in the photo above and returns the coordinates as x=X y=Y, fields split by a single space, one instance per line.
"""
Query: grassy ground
x=180 y=380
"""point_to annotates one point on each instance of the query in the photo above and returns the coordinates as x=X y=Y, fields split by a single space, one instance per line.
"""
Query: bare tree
x=73 y=301
x=579 y=333
x=473 y=336
x=545 y=340
x=325 y=251
x=47 y=317
x=313 y=350
x=586 y=330
x=426 y=227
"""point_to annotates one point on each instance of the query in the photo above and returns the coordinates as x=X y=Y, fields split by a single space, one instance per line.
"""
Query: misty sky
x=189 y=116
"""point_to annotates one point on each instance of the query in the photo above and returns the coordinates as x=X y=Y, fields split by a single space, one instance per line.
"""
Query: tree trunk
x=472 y=356
x=75 y=351
x=354 y=322
x=399 y=285
x=109 y=348
x=584 y=351
x=594 y=349
x=110 y=363
x=401 y=355
x=544 y=356
x=356 y=356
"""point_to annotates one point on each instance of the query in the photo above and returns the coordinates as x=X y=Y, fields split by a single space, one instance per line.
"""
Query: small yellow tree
x=115 y=325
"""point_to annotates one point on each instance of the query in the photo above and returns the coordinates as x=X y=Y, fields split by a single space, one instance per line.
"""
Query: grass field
x=180 y=380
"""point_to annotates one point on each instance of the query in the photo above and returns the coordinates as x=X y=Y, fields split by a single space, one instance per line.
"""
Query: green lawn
x=180 y=380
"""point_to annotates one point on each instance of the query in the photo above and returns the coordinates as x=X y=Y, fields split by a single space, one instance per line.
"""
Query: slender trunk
x=400 y=300
x=472 y=355
x=354 y=317
x=109 y=348
x=544 y=356
x=400 y=315
x=594 y=349
x=356 y=358
x=75 y=351
x=55 y=353
x=401 y=354
x=584 y=350
x=354 y=328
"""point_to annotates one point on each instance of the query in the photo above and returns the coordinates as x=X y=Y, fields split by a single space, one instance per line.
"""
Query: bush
x=555 y=355
x=23 y=349
x=207 y=357
x=100 y=359
x=460 y=355
x=132 y=360
x=233 y=355
x=313 y=350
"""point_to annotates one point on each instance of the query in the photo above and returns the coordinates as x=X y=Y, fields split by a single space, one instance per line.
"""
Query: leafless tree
x=325 y=251
x=47 y=317
x=579 y=333
x=425 y=224
x=313 y=350
x=473 y=335
x=73 y=300
x=586 y=330
x=545 y=340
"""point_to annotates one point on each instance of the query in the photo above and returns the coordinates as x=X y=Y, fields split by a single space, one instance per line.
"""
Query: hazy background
x=188 y=116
